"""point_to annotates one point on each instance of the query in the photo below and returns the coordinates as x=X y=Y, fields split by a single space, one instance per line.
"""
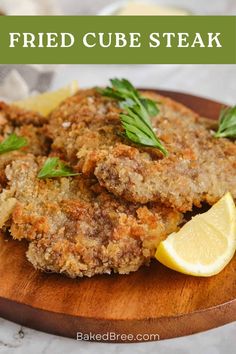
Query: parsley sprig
x=227 y=123
x=137 y=112
x=54 y=167
x=12 y=142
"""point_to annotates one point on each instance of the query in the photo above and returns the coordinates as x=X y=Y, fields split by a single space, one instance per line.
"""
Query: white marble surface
x=216 y=82
x=19 y=340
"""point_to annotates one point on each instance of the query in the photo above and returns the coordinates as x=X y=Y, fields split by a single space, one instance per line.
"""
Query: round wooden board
x=154 y=300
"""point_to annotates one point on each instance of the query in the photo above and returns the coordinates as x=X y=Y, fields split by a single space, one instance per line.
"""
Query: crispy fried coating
x=198 y=167
x=17 y=116
x=127 y=198
x=76 y=227
x=23 y=123
x=84 y=124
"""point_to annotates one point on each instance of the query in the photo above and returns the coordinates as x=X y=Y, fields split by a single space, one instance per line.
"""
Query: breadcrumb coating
x=74 y=226
x=199 y=168
x=23 y=123
x=128 y=197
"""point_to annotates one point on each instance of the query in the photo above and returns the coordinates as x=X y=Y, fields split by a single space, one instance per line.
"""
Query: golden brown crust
x=23 y=123
x=75 y=227
x=16 y=116
x=198 y=168
x=110 y=218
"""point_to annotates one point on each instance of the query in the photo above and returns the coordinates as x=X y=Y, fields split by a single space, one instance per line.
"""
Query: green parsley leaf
x=12 y=142
x=137 y=112
x=227 y=123
x=54 y=167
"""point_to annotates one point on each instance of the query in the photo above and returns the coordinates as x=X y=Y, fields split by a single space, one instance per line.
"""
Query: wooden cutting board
x=153 y=300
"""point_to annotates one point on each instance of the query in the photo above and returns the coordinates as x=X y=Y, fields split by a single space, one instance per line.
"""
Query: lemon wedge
x=205 y=244
x=46 y=102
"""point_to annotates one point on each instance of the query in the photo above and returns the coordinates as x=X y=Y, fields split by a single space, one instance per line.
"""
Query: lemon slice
x=46 y=102
x=204 y=245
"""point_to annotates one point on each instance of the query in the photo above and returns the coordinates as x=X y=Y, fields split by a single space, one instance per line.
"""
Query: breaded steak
x=86 y=131
x=76 y=227
x=23 y=123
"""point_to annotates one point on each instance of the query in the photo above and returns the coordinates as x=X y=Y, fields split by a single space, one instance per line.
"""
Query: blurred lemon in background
x=46 y=102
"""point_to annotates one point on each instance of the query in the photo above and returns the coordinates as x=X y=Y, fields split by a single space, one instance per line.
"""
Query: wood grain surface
x=153 y=300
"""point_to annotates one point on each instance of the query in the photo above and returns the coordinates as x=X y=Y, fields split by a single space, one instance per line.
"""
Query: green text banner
x=118 y=40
